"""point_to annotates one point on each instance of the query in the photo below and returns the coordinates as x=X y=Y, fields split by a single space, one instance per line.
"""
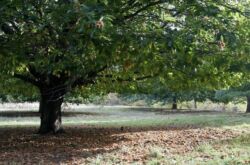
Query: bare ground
x=81 y=145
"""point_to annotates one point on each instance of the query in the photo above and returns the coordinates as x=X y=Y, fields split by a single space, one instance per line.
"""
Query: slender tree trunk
x=195 y=104
x=50 y=114
x=174 y=106
x=248 y=104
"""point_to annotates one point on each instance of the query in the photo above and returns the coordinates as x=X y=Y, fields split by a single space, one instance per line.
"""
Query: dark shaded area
x=248 y=104
x=24 y=147
x=175 y=111
x=77 y=143
x=185 y=111
x=36 y=114
x=11 y=113
x=51 y=114
x=21 y=146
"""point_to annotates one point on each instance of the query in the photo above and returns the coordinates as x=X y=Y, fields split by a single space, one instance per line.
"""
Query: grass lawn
x=225 y=152
x=128 y=136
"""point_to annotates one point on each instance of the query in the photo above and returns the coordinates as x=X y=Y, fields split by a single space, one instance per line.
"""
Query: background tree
x=238 y=61
x=236 y=94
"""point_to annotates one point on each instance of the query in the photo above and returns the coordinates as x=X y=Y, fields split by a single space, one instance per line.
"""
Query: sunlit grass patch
x=143 y=119
x=229 y=152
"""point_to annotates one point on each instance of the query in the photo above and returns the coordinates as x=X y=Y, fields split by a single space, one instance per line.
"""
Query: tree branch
x=89 y=78
x=129 y=79
x=140 y=10
x=235 y=9
x=26 y=78
x=33 y=71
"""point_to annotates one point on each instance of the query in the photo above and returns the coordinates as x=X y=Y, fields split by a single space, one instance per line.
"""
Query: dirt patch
x=80 y=145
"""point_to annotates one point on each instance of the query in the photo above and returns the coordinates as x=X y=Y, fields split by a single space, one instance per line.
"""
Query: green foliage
x=115 y=46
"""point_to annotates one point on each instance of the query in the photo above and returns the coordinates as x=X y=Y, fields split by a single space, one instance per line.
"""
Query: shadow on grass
x=36 y=114
x=21 y=146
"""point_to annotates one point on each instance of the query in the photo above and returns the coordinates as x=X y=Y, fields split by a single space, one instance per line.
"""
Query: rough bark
x=174 y=105
x=50 y=114
x=248 y=104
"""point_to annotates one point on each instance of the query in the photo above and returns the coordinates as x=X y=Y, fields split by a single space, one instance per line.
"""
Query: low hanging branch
x=26 y=78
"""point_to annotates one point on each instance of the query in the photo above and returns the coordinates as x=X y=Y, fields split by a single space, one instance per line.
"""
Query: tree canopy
x=103 y=46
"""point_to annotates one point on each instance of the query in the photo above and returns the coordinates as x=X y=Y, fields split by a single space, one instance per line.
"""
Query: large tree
x=238 y=64
x=61 y=45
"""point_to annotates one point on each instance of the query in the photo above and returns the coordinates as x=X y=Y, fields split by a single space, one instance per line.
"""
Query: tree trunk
x=248 y=104
x=174 y=106
x=50 y=114
x=195 y=104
